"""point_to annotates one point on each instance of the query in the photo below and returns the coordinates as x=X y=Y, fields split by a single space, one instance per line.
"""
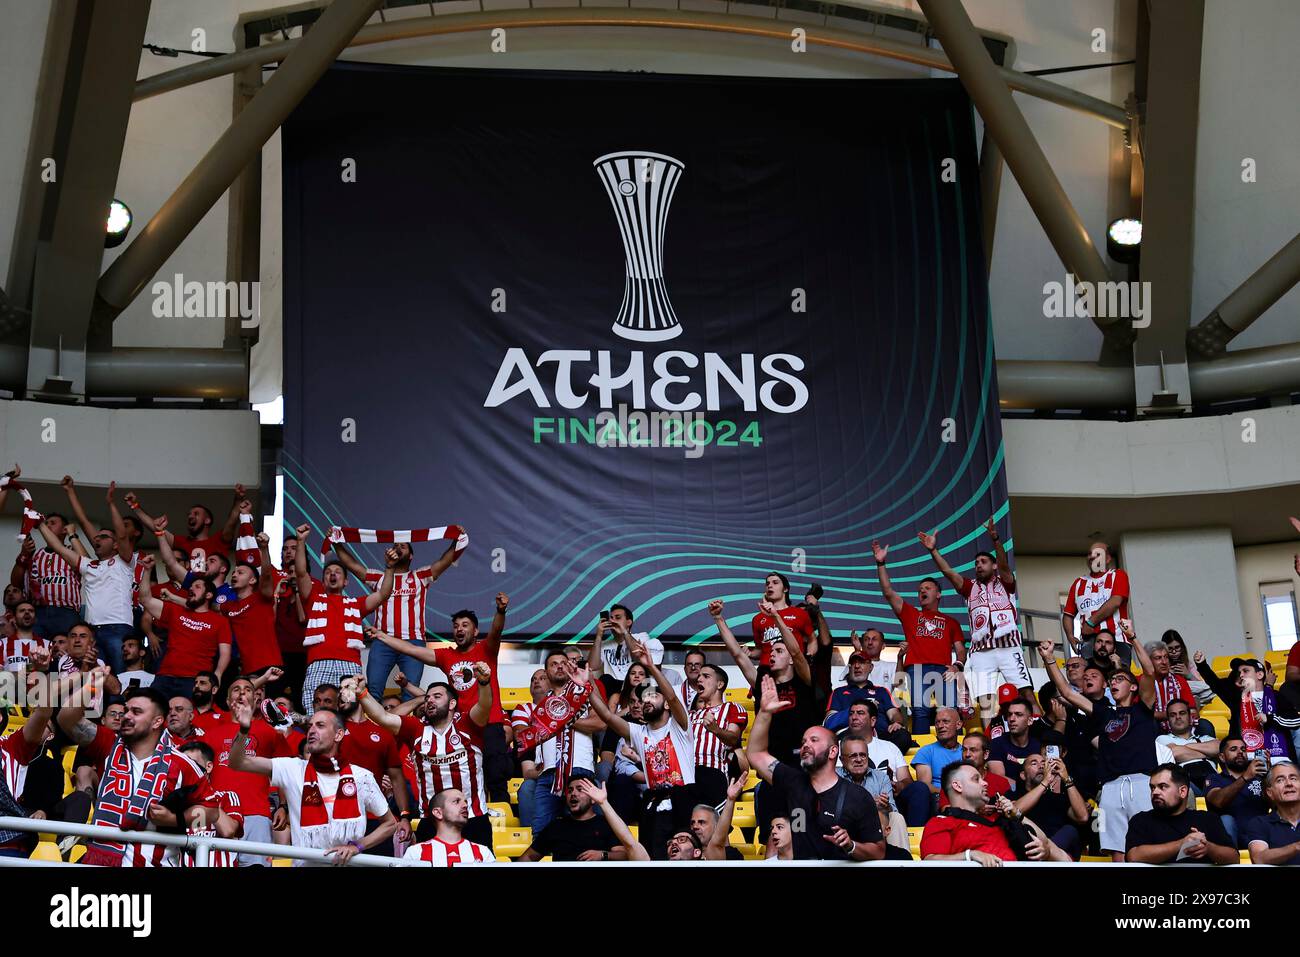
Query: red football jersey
x=954 y=835
x=254 y=790
x=766 y=633
x=192 y=640
x=931 y=636
x=368 y=745
x=452 y=758
x=459 y=668
x=252 y=620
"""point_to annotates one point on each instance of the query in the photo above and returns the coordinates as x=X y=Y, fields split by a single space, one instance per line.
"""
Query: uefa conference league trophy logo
x=640 y=186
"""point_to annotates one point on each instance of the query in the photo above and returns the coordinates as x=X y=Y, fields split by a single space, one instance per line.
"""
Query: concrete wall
x=1257 y=565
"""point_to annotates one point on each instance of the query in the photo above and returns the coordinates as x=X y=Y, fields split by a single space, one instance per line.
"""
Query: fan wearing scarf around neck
x=328 y=800
x=147 y=784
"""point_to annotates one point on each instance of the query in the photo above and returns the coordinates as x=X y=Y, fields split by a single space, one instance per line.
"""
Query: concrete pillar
x=1185 y=579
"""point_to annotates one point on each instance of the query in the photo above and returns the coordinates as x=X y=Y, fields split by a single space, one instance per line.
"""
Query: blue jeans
x=54 y=620
x=525 y=798
x=381 y=663
x=1230 y=826
x=923 y=681
x=546 y=806
x=108 y=639
x=914 y=804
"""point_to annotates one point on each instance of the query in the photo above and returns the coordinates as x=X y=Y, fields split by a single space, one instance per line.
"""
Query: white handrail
x=200 y=845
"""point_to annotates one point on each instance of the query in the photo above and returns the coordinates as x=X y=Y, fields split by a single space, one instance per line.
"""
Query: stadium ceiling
x=1151 y=371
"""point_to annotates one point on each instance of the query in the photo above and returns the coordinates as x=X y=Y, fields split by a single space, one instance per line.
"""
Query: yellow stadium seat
x=739 y=695
x=515 y=696
x=513 y=786
x=751 y=780
x=46 y=851
x=511 y=842
x=743 y=816
x=281 y=862
x=502 y=815
x=914 y=838
x=737 y=840
x=78 y=852
x=1200 y=804
x=1091 y=859
x=1245 y=857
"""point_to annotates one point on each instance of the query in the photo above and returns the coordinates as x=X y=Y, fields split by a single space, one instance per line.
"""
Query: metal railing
x=201 y=846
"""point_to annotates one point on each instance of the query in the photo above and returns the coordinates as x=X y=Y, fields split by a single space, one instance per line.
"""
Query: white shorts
x=983 y=668
x=1120 y=800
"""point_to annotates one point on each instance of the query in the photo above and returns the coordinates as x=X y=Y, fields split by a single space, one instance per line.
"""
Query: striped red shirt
x=51 y=581
x=452 y=758
x=438 y=853
x=402 y=616
x=710 y=751
x=228 y=802
x=15 y=651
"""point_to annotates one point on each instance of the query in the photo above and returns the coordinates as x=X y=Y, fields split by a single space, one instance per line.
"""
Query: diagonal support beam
x=222 y=164
x=1266 y=285
x=1004 y=122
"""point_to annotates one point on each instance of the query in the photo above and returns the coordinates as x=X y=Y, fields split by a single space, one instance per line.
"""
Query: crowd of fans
x=210 y=691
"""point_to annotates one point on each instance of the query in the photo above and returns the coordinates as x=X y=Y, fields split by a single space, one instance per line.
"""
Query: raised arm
x=1047 y=650
x=240 y=759
x=879 y=552
x=74 y=503
x=444 y=561
x=769 y=703
x=930 y=543
x=175 y=570
x=482 y=709
x=22 y=564
x=802 y=669
x=63 y=551
x=602 y=710
x=493 y=638
x=147 y=520
x=232 y=520
x=266 y=574
x=72 y=718
x=124 y=549
x=428 y=656
x=385 y=591
x=1000 y=554
x=599 y=796
x=738 y=653
x=300 y=562
x=717 y=849
x=375 y=711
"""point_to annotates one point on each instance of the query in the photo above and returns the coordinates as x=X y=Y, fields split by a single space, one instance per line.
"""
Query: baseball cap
x=859 y=656
x=1007 y=693
x=1253 y=662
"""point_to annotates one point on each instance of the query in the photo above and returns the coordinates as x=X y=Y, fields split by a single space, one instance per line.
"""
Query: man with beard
x=1238 y=793
x=1049 y=798
x=1126 y=747
x=713 y=827
x=965 y=831
x=790 y=671
x=994 y=620
x=1104 y=656
x=198 y=541
x=290 y=618
x=911 y=797
x=375 y=749
x=871 y=645
x=195 y=636
x=933 y=641
x=333 y=634
x=145 y=783
x=254 y=790
x=134 y=657
x=1275 y=837
x=1097 y=603
x=1024 y=736
x=858 y=688
x=1173 y=833
x=447 y=748
x=975 y=749
x=204 y=696
x=457 y=663
x=1194 y=753
x=252 y=614
x=448 y=847
x=665 y=748
x=328 y=799
x=581 y=835
x=837 y=820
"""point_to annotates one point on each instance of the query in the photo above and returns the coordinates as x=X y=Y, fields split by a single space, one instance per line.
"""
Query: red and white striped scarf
x=31 y=517
x=123 y=804
x=390 y=536
x=246 y=547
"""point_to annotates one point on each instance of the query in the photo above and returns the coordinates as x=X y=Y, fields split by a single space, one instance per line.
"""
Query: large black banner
x=646 y=337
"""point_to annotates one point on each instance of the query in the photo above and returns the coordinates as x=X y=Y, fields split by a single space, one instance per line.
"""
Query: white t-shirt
x=882 y=753
x=136 y=679
x=289 y=774
x=882 y=674
x=614 y=654
x=667 y=755
x=106 y=586
x=1165 y=745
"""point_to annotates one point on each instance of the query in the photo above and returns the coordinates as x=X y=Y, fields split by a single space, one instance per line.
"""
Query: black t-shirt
x=1003 y=749
x=846 y=805
x=564 y=838
x=733 y=854
x=1052 y=812
x=1249 y=801
x=1126 y=739
x=820 y=666
x=1148 y=827
x=786 y=733
x=893 y=853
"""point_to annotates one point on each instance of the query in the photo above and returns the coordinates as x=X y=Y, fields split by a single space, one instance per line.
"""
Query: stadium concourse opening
x=652 y=436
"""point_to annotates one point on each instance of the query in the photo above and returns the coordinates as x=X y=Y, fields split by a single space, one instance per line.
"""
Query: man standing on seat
x=994 y=622
x=933 y=639
x=1098 y=602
